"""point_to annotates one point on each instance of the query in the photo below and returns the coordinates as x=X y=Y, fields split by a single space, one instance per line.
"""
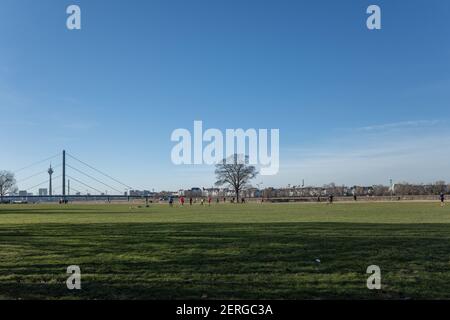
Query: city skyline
x=92 y=176
x=353 y=106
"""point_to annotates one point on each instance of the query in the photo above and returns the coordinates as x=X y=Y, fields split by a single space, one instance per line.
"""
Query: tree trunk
x=237 y=195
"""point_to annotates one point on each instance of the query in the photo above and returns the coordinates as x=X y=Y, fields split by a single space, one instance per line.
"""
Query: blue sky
x=353 y=106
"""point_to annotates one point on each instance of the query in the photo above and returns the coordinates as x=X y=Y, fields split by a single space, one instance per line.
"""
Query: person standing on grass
x=209 y=201
x=202 y=201
x=171 y=201
x=182 y=201
x=330 y=199
x=442 y=197
x=190 y=201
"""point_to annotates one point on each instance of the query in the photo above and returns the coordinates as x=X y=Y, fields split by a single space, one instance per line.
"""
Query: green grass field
x=252 y=251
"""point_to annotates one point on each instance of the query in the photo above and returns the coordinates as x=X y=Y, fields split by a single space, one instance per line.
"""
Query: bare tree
x=7 y=183
x=235 y=172
x=439 y=187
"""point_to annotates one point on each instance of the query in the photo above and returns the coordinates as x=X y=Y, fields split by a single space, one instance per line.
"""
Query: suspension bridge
x=77 y=180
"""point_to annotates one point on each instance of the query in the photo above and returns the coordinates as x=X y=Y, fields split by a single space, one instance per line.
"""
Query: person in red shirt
x=182 y=201
x=209 y=200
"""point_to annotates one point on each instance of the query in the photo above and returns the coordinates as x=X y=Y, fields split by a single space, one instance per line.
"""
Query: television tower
x=50 y=172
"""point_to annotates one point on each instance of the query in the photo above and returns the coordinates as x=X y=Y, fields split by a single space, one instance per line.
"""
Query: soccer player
x=170 y=201
x=190 y=201
x=182 y=201
x=330 y=198
x=209 y=201
x=442 y=197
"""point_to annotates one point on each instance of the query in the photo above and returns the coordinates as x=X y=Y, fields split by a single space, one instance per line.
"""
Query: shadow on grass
x=46 y=210
x=247 y=261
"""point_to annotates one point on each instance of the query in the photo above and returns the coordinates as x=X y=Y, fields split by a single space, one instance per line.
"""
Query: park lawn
x=251 y=251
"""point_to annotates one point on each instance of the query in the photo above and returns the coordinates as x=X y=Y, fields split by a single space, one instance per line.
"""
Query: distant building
x=211 y=192
x=196 y=192
x=136 y=193
x=43 y=192
x=139 y=193
x=23 y=193
x=251 y=193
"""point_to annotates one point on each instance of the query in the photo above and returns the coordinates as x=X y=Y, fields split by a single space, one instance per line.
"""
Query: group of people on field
x=182 y=200
x=331 y=198
x=202 y=200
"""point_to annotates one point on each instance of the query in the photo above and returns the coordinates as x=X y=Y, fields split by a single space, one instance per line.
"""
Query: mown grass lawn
x=252 y=251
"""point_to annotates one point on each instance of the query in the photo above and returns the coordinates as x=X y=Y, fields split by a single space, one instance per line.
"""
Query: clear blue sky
x=353 y=106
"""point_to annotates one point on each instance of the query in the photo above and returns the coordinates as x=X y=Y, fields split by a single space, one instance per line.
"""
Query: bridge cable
x=72 y=188
x=36 y=174
x=40 y=184
x=123 y=184
x=93 y=178
x=36 y=163
x=84 y=184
